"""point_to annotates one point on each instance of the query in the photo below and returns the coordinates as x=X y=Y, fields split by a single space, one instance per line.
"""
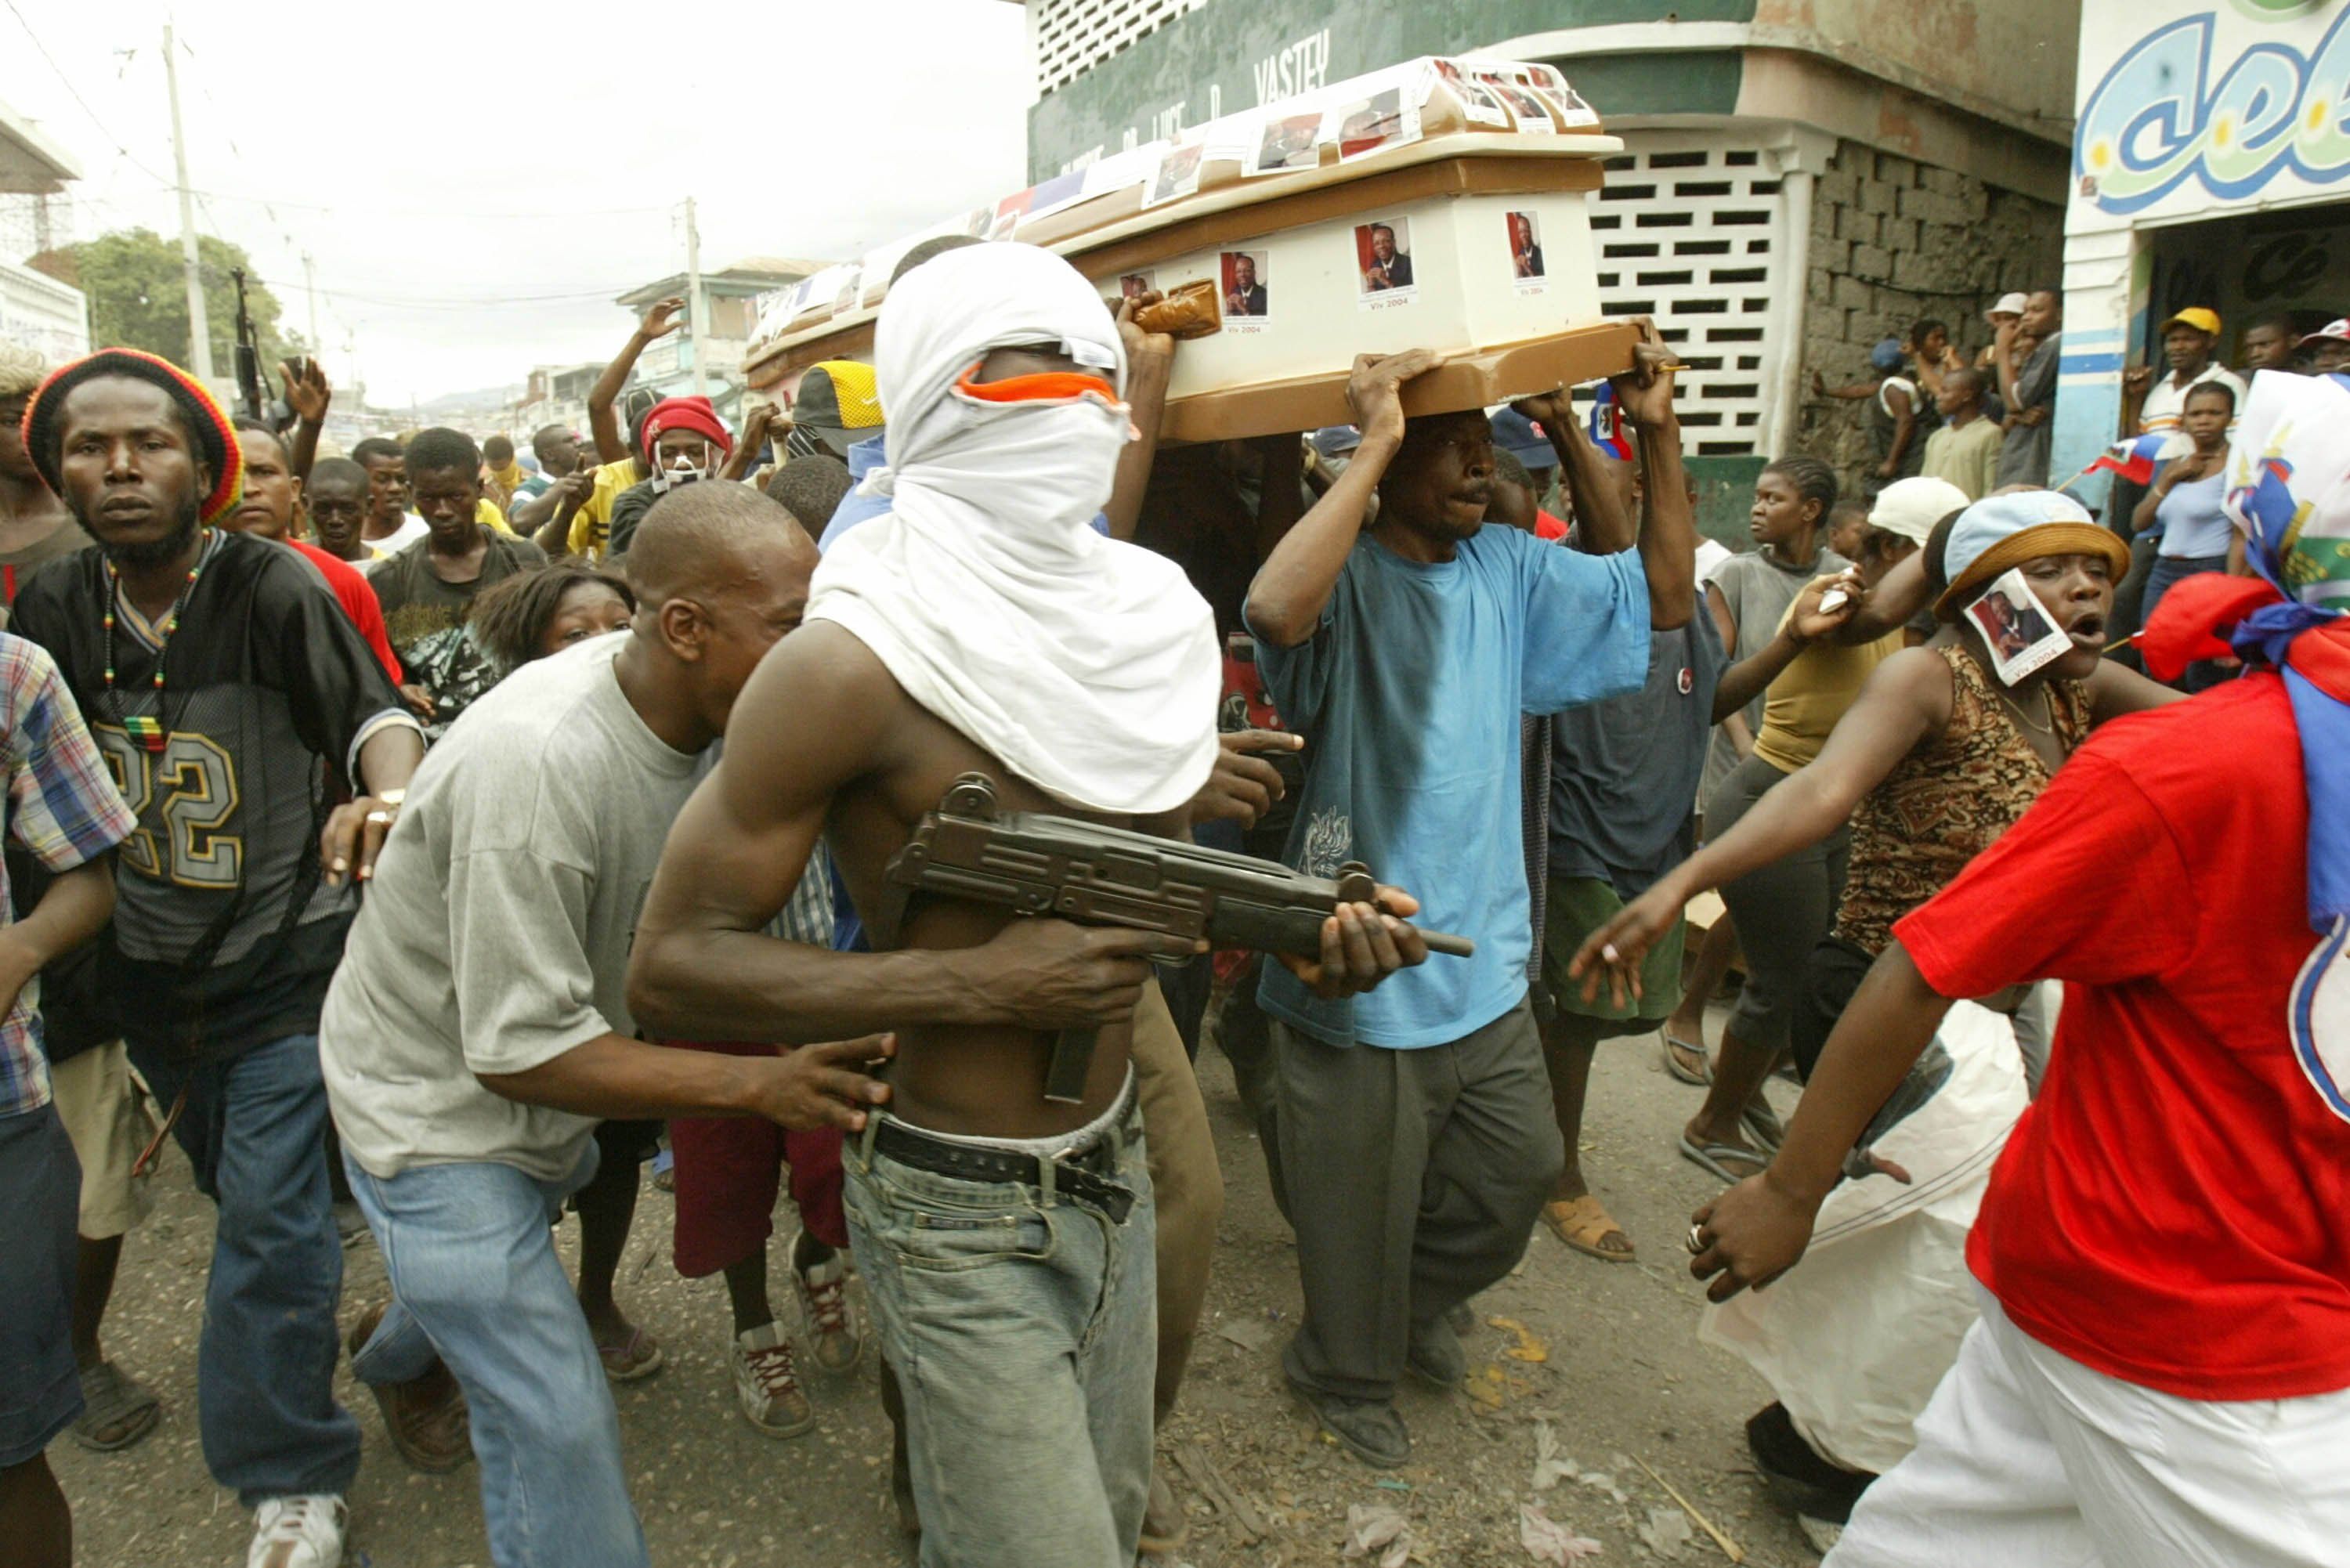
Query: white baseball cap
x=1910 y=508
x=2338 y=330
x=2008 y=305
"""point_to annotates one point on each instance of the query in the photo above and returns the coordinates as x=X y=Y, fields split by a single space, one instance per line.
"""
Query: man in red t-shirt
x=267 y=509
x=2167 y=1236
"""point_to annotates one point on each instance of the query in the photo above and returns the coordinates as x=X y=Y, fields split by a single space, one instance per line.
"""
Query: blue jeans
x=470 y=1250
x=254 y=1128
x=1024 y=1330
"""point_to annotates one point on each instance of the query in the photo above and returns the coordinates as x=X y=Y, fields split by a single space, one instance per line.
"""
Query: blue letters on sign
x=2157 y=118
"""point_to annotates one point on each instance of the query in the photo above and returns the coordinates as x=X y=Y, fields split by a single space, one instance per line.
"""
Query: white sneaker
x=767 y=1383
x=831 y=1322
x=298 y=1532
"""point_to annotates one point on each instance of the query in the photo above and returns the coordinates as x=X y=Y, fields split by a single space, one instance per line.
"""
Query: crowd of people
x=426 y=837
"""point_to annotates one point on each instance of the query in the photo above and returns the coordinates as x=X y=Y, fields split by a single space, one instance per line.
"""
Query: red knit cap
x=686 y=414
x=208 y=427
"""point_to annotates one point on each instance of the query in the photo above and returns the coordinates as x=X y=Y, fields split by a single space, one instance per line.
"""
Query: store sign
x=2235 y=102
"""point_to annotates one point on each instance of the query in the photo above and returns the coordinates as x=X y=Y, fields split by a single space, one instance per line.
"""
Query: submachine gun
x=1038 y=864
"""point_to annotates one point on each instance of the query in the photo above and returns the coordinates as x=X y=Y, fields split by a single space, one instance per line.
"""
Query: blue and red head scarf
x=2289 y=491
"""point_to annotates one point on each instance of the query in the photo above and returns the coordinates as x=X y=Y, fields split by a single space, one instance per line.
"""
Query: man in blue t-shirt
x=1414 y=1140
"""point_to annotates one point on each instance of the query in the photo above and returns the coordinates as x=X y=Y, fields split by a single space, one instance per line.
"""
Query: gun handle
x=1073 y=1061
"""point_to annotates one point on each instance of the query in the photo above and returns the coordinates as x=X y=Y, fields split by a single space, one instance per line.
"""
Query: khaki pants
x=108 y=1118
x=1185 y=1177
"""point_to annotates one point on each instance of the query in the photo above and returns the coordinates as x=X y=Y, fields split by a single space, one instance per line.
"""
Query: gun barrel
x=1447 y=944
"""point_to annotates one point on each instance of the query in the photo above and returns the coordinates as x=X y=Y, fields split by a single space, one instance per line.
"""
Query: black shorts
x=1834 y=972
x=40 y=1385
x=633 y=1141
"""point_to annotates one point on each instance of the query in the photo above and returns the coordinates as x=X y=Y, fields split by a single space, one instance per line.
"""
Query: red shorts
x=728 y=1173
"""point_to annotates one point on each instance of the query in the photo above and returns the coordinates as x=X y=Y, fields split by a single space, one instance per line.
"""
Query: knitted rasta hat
x=208 y=428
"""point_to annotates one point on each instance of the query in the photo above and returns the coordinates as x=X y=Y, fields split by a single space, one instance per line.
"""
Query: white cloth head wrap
x=1086 y=666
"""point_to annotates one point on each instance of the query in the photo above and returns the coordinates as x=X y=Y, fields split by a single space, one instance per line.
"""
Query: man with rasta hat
x=231 y=699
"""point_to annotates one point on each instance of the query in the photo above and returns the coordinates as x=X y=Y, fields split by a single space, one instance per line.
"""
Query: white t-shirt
x=411 y=528
x=494 y=935
x=2166 y=400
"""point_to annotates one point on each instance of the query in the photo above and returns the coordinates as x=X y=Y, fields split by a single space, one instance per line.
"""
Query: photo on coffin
x=1134 y=284
x=1526 y=268
x=1555 y=91
x=1287 y=144
x=1177 y=175
x=1383 y=262
x=1365 y=125
x=1476 y=100
x=1248 y=307
x=1522 y=101
x=852 y=291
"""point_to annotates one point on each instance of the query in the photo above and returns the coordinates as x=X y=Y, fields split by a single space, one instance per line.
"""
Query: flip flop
x=1711 y=1154
x=1700 y=1074
x=1583 y=1223
x=636 y=1357
x=111 y=1399
x=1763 y=1122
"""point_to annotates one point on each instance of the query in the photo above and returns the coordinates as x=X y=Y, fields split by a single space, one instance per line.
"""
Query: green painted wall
x=1725 y=495
x=1233 y=54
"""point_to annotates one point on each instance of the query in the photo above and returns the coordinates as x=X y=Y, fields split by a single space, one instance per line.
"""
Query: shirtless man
x=1007 y=1241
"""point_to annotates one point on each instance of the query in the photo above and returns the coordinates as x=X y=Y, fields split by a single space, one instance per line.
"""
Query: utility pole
x=310 y=286
x=200 y=330
x=695 y=312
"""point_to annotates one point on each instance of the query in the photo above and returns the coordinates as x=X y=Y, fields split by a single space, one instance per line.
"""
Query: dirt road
x=1607 y=1359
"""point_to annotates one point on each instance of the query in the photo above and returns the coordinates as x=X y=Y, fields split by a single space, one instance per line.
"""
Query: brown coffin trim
x=1471 y=381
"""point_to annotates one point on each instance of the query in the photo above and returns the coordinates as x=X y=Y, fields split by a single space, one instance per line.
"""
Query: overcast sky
x=476 y=180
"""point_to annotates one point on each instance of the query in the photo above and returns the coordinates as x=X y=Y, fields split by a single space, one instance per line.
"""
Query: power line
x=448 y=301
x=69 y=87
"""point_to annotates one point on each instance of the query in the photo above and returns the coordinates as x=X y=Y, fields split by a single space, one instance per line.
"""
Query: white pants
x=2026 y=1458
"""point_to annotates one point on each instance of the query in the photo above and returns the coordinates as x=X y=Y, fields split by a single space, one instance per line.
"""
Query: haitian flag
x=1607 y=424
x=2134 y=460
x=2289 y=491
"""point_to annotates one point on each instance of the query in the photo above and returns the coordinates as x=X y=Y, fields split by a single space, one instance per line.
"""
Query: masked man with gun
x=982 y=626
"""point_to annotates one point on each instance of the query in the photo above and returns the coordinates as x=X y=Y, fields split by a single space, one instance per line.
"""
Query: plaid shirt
x=64 y=807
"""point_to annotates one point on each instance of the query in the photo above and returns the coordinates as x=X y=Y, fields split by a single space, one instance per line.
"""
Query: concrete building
x=1801 y=180
x=728 y=313
x=2212 y=167
x=35 y=309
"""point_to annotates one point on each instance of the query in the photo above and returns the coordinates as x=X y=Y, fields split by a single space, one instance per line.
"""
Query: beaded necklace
x=147 y=730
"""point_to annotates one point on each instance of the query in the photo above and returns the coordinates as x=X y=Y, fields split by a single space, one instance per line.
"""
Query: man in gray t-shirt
x=479 y=1026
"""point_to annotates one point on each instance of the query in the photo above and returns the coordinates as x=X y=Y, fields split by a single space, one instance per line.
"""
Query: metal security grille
x=1071 y=35
x=1687 y=229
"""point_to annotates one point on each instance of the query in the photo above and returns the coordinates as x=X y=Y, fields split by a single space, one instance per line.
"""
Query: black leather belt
x=1079 y=1176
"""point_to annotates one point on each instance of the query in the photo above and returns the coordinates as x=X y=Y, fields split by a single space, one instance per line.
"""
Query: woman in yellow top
x=1781 y=910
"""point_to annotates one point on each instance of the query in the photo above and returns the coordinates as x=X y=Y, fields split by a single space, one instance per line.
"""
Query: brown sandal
x=1583 y=1223
x=426 y=1417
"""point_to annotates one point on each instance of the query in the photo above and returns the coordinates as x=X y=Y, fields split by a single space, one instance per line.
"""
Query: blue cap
x=1886 y=356
x=1337 y=440
x=1522 y=439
